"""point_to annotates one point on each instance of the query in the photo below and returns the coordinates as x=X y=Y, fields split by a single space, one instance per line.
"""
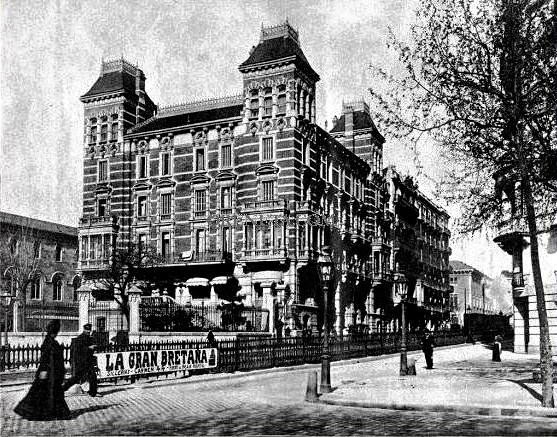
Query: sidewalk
x=463 y=380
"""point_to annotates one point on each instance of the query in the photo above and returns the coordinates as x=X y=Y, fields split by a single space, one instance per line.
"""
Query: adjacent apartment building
x=239 y=195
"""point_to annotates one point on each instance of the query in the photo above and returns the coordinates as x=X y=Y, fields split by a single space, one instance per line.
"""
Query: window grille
x=268 y=152
x=166 y=204
x=103 y=171
x=226 y=155
x=200 y=202
x=268 y=190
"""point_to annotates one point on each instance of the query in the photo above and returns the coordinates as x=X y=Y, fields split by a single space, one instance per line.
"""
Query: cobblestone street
x=263 y=404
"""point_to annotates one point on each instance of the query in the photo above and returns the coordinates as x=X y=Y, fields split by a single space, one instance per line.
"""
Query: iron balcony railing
x=264 y=206
x=265 y=253
x=90 y=220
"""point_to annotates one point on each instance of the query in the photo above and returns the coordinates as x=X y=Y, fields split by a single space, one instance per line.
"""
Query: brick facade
x=239 y=194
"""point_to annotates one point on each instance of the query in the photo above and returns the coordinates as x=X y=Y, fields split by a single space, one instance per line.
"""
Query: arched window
x=58 y=252
x=35 y=288
x=37 y=249
x=57 y=288
x=76 y=283
x=14 y=242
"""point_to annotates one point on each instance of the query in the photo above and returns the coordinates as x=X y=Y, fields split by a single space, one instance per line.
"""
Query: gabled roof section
x=362 y=121
x=278 y=44
x=184 y=114
x=116 y=76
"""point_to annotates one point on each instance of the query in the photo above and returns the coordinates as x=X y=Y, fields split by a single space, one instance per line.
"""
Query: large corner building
x=240 y=194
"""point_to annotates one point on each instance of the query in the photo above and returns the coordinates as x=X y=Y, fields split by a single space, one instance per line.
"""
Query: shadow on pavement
x=530 y=390
x=76 y=413
x=114 y=390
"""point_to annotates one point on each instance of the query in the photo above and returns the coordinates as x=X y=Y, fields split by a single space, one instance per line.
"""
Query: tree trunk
x=546 y=362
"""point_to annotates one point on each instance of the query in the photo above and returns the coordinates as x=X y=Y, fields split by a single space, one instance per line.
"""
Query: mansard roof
x=362 y=121
x=278 y=44
x=116 y=76
x=174 y=117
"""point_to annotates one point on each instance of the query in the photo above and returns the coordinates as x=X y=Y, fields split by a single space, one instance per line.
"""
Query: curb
x=247 y=374
x=464 y=409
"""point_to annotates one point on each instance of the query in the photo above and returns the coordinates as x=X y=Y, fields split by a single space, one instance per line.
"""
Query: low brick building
x=45 y=253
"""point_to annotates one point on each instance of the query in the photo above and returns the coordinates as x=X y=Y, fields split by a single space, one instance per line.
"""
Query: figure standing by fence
x=83 y=361
x=45 y=399
x=428 y=343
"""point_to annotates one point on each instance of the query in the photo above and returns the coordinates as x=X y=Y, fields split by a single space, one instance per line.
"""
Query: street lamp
x=6 y=299
x=402 y=289
x=325 y=264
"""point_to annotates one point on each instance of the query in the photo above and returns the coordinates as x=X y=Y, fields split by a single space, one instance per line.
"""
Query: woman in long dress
x=45 y=399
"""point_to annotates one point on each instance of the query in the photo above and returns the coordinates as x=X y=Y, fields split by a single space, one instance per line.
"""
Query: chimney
x=348 y=111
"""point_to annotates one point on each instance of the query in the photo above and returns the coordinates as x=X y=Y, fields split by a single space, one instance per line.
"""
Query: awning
x=220 y=280
x=197 y=282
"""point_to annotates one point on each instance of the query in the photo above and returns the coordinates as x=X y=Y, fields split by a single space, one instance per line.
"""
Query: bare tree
x=479 y=78
x=127 y=265
x=20 y=258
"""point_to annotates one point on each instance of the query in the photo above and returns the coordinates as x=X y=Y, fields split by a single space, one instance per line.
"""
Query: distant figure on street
x=45 y=399
x=211 y=339
x=83 y=361
x=496 y=356
x=428 y=343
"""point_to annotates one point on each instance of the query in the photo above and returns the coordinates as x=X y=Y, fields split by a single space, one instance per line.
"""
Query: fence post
x=236 y=354
x=134 y=293
x=84 y=295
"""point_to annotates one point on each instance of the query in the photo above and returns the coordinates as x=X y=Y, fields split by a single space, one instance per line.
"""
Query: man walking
x=428 y=343
x=83 y=361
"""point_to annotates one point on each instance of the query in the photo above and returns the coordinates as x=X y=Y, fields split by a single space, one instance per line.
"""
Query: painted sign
x=114 y=364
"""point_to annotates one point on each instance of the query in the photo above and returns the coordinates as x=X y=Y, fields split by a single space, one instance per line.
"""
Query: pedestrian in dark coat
x=83 y=361
x=45 y=399
x=428 y=343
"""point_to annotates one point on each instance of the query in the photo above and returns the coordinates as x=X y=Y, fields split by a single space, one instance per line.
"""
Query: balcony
x=511 y=233
x=381 y=277
x=205 y=257
x=380 y=242
x=96 y=221
x=264 y=206
x=267 y=254
x=94 y=264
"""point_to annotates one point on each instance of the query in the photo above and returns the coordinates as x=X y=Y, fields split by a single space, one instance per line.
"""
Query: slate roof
x=276 y=49
x=112 y=82
x=7 y=218
x=170 y=121
x=459 y=265
x=362 y=120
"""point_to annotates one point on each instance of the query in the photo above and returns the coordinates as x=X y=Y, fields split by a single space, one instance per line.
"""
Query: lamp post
x=6 y=302
x=325 y=265
x=402 y=288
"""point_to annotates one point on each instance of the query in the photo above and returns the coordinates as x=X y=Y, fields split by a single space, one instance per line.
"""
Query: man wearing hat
x=83 y=361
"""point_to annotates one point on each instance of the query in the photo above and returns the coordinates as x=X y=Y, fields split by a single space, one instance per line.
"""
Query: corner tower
x=279 y=82
x=116 y=102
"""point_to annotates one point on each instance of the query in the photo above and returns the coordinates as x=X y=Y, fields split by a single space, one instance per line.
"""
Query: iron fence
x=170 y=316
x=106 y=316
x=251 y=353
x=36 y=315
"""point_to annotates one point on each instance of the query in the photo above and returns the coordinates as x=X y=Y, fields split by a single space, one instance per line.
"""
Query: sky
x=51 y=53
